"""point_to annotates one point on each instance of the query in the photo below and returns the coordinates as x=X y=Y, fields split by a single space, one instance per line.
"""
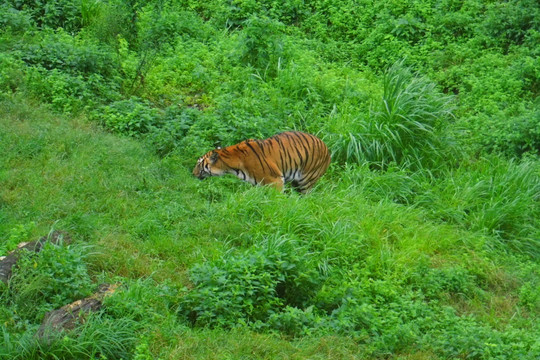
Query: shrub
x=11 y=73
x=262 y=45
x=62 y=52
x=493 y=195
x=176 y=124
x=250 y=288
x=436 y=283
x=132 y=117
x=69 y=73
x=66 y=93
x=143 y=300
x=64 y=14
x=514 y=137
x=17 y=235
x=14 y=20
x=48 y=280
x=107 y=21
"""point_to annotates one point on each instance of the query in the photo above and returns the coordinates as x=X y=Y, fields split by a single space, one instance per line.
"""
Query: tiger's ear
x=218 y=148
x=214 y=157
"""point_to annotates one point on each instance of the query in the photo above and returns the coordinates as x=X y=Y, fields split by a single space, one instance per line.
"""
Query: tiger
x=289 y=157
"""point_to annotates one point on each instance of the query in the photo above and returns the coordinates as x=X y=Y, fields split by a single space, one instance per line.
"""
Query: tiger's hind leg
x=297 y=186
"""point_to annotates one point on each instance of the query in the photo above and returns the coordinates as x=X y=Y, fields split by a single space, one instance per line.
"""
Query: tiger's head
x=209 y=165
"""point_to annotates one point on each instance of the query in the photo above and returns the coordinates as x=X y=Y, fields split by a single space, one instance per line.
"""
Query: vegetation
x=421 y=241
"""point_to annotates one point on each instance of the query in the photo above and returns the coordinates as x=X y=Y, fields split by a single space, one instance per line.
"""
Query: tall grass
x=98 y=338
x=492 y=195
x=408 y=127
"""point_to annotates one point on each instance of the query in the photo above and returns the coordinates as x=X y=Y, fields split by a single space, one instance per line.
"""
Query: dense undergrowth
x=421 y=242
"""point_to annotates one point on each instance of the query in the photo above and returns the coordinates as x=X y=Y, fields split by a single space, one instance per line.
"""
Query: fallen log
x=69 y=316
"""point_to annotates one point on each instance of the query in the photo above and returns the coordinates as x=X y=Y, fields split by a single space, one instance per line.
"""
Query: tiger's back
x=289 y=157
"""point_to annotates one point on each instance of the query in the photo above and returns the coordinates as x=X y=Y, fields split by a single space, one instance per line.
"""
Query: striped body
x=290 y=157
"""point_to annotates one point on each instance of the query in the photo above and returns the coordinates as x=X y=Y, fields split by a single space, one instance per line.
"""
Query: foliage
x=515 y=137
x=421 y=241
x=64 y=14
x=410 y=127
x=131 y=117
x=262 y=45
x=252 y=288
x=14 y=20
x=98 y=338
x=47 y=280
x=17 y=235
x=494 y=196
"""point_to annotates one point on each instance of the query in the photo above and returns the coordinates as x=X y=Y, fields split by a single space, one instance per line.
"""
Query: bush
x=48 y=280
x=133 y=117
x=14 y=20
x=64 y=14
x=11 y=73
x=176 y=124
x=514 y=137
x=439 y=283
x=62 y=52
x=68 y=73
x=491 y=195
x=143 y=300
x=262 y=45
x=251 y=288
x=17 y=235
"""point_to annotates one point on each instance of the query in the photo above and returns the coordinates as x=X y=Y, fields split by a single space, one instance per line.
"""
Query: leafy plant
x=47 y=280
x=57 y=13
x=98 y=338
x=132 y=117
x=17 y=235
x=251 y=288
x=262 y=45
x=13 y=20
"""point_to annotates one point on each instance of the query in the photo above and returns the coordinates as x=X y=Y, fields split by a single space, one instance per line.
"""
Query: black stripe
x=280 y=150
x=293 y=140
x=306 y=147
x=272 y=172
x=258 y=157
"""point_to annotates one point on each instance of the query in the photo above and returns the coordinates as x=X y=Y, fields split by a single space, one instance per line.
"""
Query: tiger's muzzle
x=203 y=175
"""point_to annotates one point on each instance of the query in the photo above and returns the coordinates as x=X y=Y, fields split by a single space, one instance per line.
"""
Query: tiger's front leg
x=276 y=182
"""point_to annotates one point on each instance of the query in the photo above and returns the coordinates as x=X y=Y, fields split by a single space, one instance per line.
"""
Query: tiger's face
x=208 y=165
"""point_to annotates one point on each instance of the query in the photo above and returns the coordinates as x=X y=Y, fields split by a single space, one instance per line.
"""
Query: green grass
x=420 y=242
x=147 y=217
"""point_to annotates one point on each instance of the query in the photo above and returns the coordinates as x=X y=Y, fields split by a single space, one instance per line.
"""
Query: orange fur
x=292 y=156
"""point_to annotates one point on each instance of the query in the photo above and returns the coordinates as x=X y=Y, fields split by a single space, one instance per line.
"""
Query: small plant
x=17 y=235
x=98 y=338
x=14 y=20
x=262 y=45
x=48 y=280
x=57 y=13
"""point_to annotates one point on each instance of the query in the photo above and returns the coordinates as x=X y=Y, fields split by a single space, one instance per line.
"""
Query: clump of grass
x=98 y=338
x=408 y=127
x=495 y=196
